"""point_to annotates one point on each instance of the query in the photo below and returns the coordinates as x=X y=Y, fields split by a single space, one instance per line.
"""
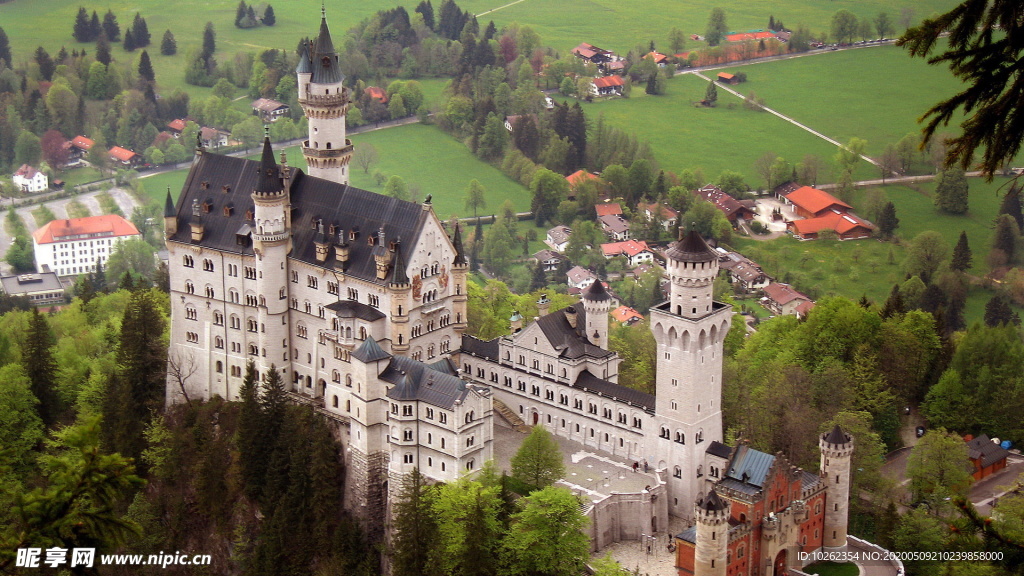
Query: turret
x=836 y=451
x=401 y=290
x=271 y=242
x=460 y=266
x=515 y=322
x=170 y=216
x=597 y=302
x=381 y=255
x=692 y=267
x=712 y=515
x=324 y=100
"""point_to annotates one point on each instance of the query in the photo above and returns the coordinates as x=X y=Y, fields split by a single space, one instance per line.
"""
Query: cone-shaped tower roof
x=398 y=276
x=460 y=252
x=836 y=436
x=304 y=66
x=326 y=69
x=712 y=502
x=596 y=292
x=169 y=211
x=691 y=248
x=269 y=179
x=370 y=351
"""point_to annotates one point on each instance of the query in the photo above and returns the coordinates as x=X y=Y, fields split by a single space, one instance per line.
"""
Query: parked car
x=919 y=431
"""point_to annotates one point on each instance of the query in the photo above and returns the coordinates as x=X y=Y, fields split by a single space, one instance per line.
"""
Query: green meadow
x=728 y=137
x=430 y=162
x=872 y=93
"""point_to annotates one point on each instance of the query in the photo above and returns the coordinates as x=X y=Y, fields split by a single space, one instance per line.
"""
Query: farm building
x=726 y=78
x=608 y=85
x=592 y=53
x=734 y=210
x=987 y=457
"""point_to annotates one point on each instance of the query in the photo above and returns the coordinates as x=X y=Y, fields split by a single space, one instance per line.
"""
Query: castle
x=359 y=300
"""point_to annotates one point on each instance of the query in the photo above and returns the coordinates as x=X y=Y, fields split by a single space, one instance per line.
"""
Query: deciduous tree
x=546 y=536
x=844 y=26
x=538 y=462
x=474 y=199
x=717 y=27
x=938 y=467
x=951 y=190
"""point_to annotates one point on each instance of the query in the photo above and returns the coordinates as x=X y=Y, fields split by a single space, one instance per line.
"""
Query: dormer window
x=205 y=185
x=332 y=230
x=225 y=188
x=325 y=62
x=371 y=240
x=248 y=215
x=353 y=234
x=228 y=209
x=206 y=207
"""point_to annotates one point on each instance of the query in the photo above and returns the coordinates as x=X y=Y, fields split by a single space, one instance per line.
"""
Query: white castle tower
x=271 y=240
x=597 y=303
x=711 y=555
x=689 y=330
x=836 y=449
x=324 y=101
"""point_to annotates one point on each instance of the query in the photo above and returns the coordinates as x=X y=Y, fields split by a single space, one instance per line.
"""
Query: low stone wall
x=854 y=542
x=627 y=516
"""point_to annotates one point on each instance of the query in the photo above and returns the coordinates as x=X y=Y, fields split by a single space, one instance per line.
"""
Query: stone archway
x=780 y=563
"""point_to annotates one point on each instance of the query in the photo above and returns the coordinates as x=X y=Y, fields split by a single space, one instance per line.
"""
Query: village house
x=615 y=227
x=608 y=85
x=818 y=210
x=74 y=246
x=608 y=209
x=269 y=110
x=511 y=122
x=734 y=210
x=126 y=158
x=581 y=176
x=659 y=59
x=43 y=289
x=726 y=78
x=636 y=252
x=626 y=316
x=80 y=145
x=29 y=180
x=176 y=127
x=616 y=66
x=743 y=272
x=558 y=238
x=668 y=216
x=591 y=53
x=783 y=299
x=213 y=138
x=548 y=259
x=986 y=455
x=580 y=278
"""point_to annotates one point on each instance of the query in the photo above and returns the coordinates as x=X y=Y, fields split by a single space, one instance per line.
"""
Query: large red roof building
x=73 y=246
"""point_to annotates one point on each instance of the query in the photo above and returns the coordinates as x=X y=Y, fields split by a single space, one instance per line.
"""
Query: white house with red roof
x=580 y=176
x=636 y=251
x=607 y=85
x=783 y=299
x=123 y=156
x=626 y=315
x=73 y=246
x=822 y=211
x=668 y=216
x=30 y=180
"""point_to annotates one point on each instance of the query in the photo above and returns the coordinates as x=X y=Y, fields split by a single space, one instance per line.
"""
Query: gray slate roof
x=718 y=449
x=568 y=341
x=312 y=199
x=984 y=449
x=481 y=348
x=370 y=351
x=692 y=248
x=588 y=382
x=353 y=309
x=750 y=466
x=415 y=380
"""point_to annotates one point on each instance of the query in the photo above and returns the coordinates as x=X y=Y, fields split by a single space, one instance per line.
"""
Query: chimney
x=516 y=321
x=543 y=305
x=197 y=222
x=341 y=251
x=570 y=315
x=321 y=243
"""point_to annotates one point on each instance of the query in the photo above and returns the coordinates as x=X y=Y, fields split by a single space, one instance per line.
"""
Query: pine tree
x=209 y=41
x=140 y=31
x=415 y=526
x=998 y=311
x=110 y=27
x=711 y=94
x=103 y=50
x=40 y=367
x=62 y=55
x=5 y=49
x=1005 y=238
x=240 y=13
x=146 y=68
x=95 y=28
x=771 y=22
x=540 y=277
x=46 y=65
x=426 y=9
x=887 y=220
x=961 y=254
x=269 y=18
x=1010 y=205
x=129 y=43
x=954 y=319
x=99 y=278
x=894 y=304
x=168 y=47
x=81 y=31
x=249 y=433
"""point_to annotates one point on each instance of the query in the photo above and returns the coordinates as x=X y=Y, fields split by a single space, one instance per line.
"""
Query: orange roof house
x=377 y=94
x=123 y=155
x=610 y=209
x=811 y=202
x=107 y=225
x=580 y=176
x=848 y=226
x=783 y=299
x=628 y=248
x=177 y=125
x=609 y=84
x=626 y=315
x=658 y=57
x=82 y=143
x=732 y=208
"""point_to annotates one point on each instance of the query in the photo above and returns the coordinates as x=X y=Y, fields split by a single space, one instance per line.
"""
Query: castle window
x=209 y=292
x=407 y=458
x=622 y=417
x=250 y=272
x=190 y=287
x=680 y=437
x=675 y=405
x=303 y=332
x=373 y=300
x=536 y=364
x=700 y=436
x=607 y=413
x=407 y=435
x=592 y=408
x=470 y=416
x=187 y=261
x=218 y=318
x=677 y=472
x=549 y=394
x=218 y=343
x=236 y=323
x=251 y=325
x=208 y=265
x=192 y=337
x=664 y=433
x=470 y=441
x=254 y=350
x=308 y=307
x=535 y=390
x=353 y=294
x=577 y=403
x=563 y=399
x=521 y=385
x=430 y=413
x=407 y=410
x=191 y=313
x=508 y=381
x=311 y=281
x=236 y=371
x=220 y=367
x=443 y=418
x=332 y=287
x=637 y=422
x=295 y=276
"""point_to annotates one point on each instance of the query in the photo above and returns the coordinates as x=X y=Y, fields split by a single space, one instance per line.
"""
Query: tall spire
x=169 y=205
x=460 y=253
x=269 y=179
x=304 y=66
x=326 y=69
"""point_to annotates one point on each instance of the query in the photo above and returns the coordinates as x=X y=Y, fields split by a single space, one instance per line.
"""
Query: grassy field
x=881 y=110
x=622 y=24
x=425 y=157
x=832 y=569
x=712 y=139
